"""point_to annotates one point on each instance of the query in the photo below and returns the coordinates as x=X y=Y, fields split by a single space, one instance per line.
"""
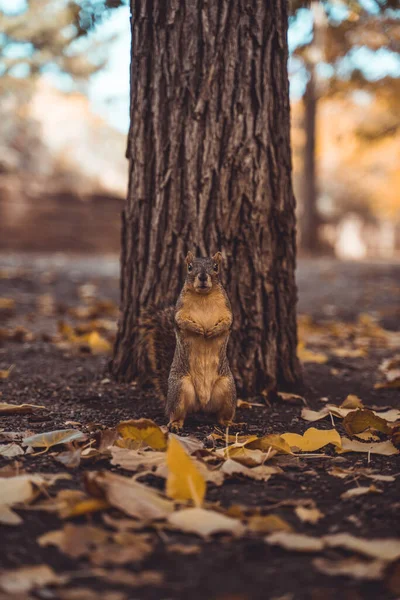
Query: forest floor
x=349 y=317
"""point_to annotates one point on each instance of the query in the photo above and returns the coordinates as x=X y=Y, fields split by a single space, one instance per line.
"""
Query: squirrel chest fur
x=204 y=353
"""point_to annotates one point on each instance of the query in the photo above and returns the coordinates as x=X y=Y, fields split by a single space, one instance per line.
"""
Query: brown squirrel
x=199 y=376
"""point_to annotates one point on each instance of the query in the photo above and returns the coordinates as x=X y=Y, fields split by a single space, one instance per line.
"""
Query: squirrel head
x=202 y=273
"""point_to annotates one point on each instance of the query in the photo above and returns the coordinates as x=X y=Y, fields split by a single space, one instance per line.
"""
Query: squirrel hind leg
x=181 y=401
x=223 y=400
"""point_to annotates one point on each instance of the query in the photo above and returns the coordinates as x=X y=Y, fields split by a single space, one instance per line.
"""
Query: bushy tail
x=156 y=347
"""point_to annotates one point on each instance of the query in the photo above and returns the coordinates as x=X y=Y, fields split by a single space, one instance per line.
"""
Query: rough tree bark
x=210 y=169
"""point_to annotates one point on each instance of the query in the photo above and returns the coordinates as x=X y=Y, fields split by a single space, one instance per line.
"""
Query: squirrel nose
x=202 y=276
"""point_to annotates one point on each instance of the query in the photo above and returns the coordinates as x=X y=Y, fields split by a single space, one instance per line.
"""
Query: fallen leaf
x=289 y=397
x=240 y=453
x=184 y=482
x=21 y=489
x=127 y=578
x=270 y=442
x=387 y=549
x=70 y=459
x=342 y=412
x=26 y=579
x=313 y=439
x=204 y=522
x=184 y=549
x=260 y=473
x=134 y=460
x=10 y=450
x=133 y=498
x=267 y=524
x=362 y=472
x=383 y=448
x=190 y=443
x=143 y=431
x=305 y=355
x=245 y=404
x=361 y=419
x=52 y=438
x=295 y=541
x=22 y=409
x=351 y=567
x=352 y=401
x=100 y=546
x=309 y=515
x=360 y=491
x=349 y=352
x=72 y=503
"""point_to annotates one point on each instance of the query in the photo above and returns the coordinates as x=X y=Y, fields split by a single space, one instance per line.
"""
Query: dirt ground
x=75 y=387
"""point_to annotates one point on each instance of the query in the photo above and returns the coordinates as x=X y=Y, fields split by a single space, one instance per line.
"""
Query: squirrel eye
x=190 y=267
x=215 y=267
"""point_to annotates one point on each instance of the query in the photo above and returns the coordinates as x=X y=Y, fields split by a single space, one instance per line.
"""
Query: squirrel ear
x=217 y=258
x=189 y=257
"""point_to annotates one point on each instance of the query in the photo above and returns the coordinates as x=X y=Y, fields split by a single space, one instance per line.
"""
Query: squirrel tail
x=156 y=347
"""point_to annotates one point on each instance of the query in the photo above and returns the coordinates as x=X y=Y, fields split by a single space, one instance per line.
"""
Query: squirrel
x=190 y=342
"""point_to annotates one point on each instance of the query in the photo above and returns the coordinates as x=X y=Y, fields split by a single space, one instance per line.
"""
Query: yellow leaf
x=308 y=515
x=352 y=401
x=184 y=482
x=268 y=524
x=306 y=355
x=97 y=343
x=274 y=441
x=313 y=439
x=144 y=432
x=244 y=455
x=349 y=352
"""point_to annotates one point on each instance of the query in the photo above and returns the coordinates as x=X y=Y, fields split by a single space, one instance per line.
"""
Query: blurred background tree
x=338 y=30
x=345 y=80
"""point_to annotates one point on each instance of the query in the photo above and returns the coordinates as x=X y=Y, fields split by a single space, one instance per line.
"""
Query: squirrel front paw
x=175 y=425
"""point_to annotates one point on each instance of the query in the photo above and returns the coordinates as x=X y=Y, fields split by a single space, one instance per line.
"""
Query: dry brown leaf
x=204 y=522
x=309 y=515
x=22 y=409
x=342 y=412
x=26 y=579
x=362 y=472
x=360 y=491
x=313 y=439
x=131 y=497
x=295 y=541
x=361 y=419
x=347 y=352
x=383 y=448
x=267 y=524
x=53 y=438
x=292 y=398
x=144 y=432
x=351 y=567
x=184 y=482
x=74 y=540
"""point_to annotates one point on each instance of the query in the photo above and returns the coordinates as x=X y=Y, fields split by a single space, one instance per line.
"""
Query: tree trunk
x=309 y=224
x=210 y=169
